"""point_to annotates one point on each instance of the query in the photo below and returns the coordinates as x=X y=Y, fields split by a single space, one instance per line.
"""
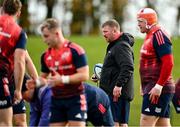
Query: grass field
x=95 y=47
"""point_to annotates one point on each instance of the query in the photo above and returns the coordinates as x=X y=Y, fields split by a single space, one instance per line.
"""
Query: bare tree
x=117 y=9
x=150 y=4
x=49 y=4
x=78 y=7
x=24 y=18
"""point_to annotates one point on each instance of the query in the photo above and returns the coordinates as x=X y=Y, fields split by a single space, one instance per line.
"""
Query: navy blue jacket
x=118 y=67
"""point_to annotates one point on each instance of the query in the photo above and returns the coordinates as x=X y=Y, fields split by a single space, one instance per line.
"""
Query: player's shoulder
x=77 y=48
x=160 y=32
x=46 y=52
x=161 y=37
x=45 y=56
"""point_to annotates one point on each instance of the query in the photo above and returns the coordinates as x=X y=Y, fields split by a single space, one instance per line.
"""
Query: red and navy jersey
x=65 y=61
x=10 y=34
x=156 y=45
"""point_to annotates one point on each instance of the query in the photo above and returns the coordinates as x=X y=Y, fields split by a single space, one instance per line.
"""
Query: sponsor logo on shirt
x=65 y=55
x=24 y=108
x=85 y=116
x=147 y=110
x=3 y=102
x=78 y=116
x=158 y=110
x=49 y=58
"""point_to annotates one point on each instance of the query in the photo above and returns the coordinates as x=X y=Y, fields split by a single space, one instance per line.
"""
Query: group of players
x=98 y=112
x=60 y=96
x=39 y=99
x=14 y=57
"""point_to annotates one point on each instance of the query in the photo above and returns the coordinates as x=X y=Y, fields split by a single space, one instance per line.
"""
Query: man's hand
x=55 y=80
x=40 y=81
x=94 y=78
x=17 y=97
x=116 y=92
x=155 y=93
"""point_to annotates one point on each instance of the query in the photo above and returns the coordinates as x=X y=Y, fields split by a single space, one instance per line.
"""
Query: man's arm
x=80 y=62
x=31 y=67
x=166 y=69
x=19 y=69
x=81 y=75
x=124 y=59
x=19 y=66
x=162 y=46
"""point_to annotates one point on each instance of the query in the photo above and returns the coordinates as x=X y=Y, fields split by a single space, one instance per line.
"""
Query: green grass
x=95 y=47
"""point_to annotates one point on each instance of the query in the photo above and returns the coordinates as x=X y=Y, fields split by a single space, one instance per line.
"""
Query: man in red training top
x=12 y=58
x=156 y=63
x=65 y=66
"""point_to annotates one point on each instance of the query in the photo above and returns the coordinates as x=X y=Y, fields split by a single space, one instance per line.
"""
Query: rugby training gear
x=65 y=61
x=152 y=63
x=9 y=35
x=148 y=15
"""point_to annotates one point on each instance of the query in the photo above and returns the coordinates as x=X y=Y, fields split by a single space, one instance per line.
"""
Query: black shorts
x=19 y=108
x=162 y=109
x=68 y=109
x=5 y=96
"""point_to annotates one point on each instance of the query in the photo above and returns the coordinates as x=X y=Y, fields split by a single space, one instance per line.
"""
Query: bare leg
x=77 y=124
x=116 y=124
x=120 y=125
x=148 y=120
x=20 y=119
x=123 y=125
x=163 y=122
x=6 y=117
x=61 y=124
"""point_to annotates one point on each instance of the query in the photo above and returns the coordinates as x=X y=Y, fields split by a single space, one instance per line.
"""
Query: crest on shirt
x=49 y=58
x=65 y=55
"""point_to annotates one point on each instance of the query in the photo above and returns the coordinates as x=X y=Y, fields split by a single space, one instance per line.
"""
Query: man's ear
x=18 y=14
x=114 y=30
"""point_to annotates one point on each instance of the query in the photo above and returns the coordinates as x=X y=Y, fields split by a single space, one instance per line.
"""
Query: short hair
x=50 y=23
x=11 y=7
x=111 y=23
